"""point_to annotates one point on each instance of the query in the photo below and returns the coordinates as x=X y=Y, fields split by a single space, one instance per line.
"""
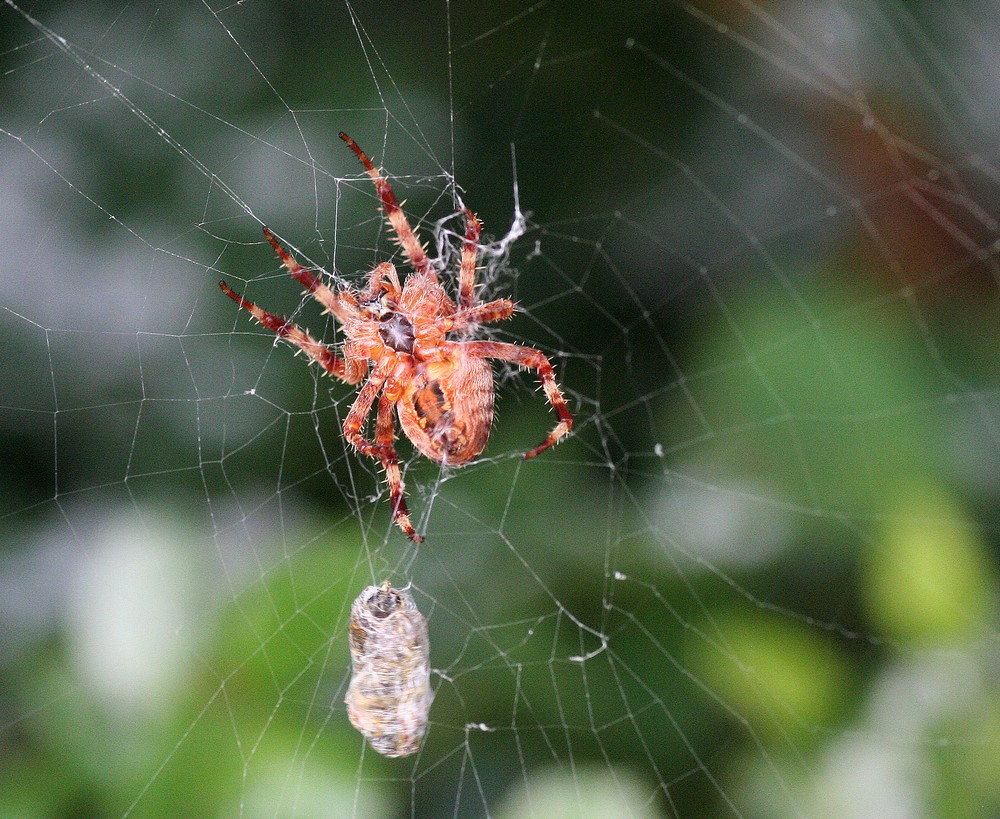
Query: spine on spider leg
x=303 y=276
x=285 y=329
x=412 y=246
x=558 y=402
x=272 y=322
x=536 y=360
x=470 y=250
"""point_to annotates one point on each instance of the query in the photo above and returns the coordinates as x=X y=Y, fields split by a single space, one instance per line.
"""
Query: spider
x=401 y=339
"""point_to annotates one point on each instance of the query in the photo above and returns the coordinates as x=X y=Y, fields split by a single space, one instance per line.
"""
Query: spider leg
x=340 y=308
x=412 y=247
x=383 y=279
x=355 y=420
x=384 y=435
x=536 y=360
x=470 y=249
x=346 y=370
x=486 y=313
x=382 y=449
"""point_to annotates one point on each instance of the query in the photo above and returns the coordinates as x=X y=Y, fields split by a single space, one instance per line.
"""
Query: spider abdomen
x=447 y=411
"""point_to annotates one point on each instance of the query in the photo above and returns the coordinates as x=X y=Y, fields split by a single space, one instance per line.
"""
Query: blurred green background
x=761 y=577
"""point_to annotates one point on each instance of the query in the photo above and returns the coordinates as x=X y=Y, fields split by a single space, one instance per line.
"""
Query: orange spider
x=398 y=336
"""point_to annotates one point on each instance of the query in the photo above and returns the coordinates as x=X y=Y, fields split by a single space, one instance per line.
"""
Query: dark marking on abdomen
x=431 y=406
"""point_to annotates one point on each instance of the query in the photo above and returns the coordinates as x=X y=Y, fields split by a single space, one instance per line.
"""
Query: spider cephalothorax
x=402 y=337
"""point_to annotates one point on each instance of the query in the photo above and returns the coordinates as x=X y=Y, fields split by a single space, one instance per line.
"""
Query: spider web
x=757 y=241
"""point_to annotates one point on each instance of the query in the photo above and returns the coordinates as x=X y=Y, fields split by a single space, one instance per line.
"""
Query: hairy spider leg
x=355 y=420
x=340 y=307
x=383 y=272
x=352 y=433
x=412 y=247
x=470 y=249
x=385 y=432
x=536 y=360
x=350 y=371
x=487 y=313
